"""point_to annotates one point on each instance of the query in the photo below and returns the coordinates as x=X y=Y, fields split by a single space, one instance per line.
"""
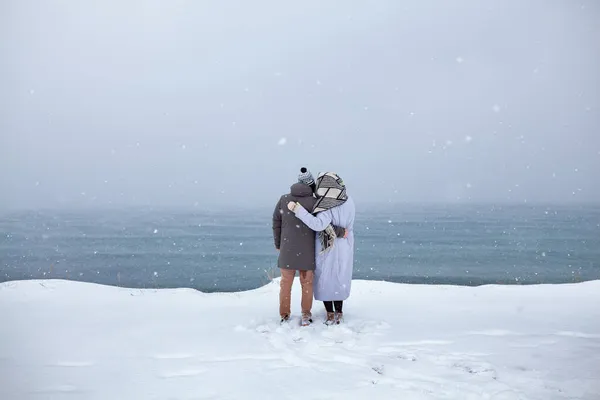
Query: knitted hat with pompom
x=306 y=177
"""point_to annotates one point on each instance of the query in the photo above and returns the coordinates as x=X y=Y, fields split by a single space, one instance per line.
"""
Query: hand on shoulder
x=293 y=206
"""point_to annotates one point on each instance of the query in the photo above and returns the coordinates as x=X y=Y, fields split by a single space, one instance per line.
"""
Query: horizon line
x=228 y=207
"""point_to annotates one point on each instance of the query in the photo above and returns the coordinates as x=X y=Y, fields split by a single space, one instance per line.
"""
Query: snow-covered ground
x=68 y=340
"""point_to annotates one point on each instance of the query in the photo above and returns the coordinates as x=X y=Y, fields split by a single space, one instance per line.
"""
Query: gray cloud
x=183 y=103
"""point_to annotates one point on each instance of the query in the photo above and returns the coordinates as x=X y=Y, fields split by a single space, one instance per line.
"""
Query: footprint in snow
x=392 y=352
x=406 y=357
x=378 y=369
x=477 y=369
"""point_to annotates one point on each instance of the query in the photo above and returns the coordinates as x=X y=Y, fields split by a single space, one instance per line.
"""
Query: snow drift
x=69 y=340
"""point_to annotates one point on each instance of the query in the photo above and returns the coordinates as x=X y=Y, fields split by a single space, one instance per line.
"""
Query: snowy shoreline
x=65 y=339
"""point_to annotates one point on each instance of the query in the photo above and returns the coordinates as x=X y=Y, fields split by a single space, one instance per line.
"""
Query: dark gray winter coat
x=293 y=238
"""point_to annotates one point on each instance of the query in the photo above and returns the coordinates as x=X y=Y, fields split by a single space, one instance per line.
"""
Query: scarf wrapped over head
x=331 y=192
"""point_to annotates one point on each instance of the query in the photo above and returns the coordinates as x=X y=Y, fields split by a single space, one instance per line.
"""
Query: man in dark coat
x=296 y=245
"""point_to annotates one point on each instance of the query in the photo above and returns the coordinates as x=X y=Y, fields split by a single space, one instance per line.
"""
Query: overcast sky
x=162 y=103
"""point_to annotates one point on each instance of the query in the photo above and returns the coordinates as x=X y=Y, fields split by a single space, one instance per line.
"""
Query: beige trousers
x=285 y=292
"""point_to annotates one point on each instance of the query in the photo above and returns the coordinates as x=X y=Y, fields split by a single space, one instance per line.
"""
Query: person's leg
x=339 y=316
x=285 y=292
x=306 y=280
x=330 y=314
x=338 y=306
x=328 y=306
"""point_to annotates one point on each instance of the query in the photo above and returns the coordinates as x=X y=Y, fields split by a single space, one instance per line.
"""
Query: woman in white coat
x=334 y=255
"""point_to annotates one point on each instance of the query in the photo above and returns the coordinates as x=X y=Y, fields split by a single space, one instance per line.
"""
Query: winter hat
x=306 y=177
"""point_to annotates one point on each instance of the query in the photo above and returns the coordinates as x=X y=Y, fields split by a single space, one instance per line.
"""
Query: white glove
x=293 y=206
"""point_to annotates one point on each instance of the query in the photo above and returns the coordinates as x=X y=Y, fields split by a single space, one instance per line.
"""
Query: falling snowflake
x=496 y=108
x=282 y=141
x=156 y=231
x=459 y=60
x=468 y=139
x=155 y=273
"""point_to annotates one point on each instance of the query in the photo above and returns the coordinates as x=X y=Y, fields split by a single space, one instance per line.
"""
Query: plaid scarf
x=331 y=192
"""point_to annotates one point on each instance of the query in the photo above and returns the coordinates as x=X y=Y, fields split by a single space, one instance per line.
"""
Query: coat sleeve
x=277 y=225
x=318 y=223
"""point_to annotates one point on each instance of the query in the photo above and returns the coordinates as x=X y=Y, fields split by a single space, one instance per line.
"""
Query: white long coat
x=333 y=275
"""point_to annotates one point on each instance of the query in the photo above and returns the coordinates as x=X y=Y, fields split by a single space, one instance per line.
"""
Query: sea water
x=233 y=250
